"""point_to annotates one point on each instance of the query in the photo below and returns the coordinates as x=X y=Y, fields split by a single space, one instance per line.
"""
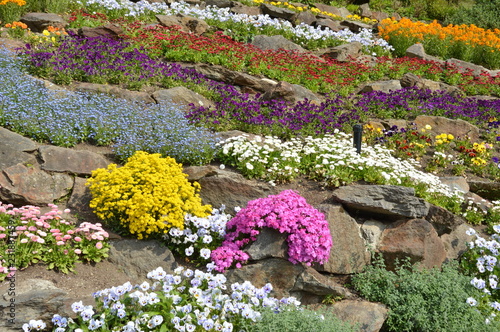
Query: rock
x=181 y=97
x=468 y=67
x=328 y=23
x=312 y=282
x=356 y=26
x=239 y=8
x=12 y=44
x=384 y=86
x=58 y=159
x=291 y=93
x=275 y=42
x=138 y=257
x=219 y=3
x=232 y=190
x=380 y=16
x=114 y=91
x=34 y=299
x=415 y=239
x=372 y=231
x=477 y=201
x=37 y=22
x=79 y=201
x=341 y=12
x=348 y=254
x=14 y=148
x=187 y=23
x=219 y=73
x=305 y=17
x=386 y=200
x=458 y=128
x=195 y=173
x=417 y=51
x=365 y=11
x=108 y=30
x=277 y=12
x=443 y=220
x=370 y=316
x=279 y=272
x=455 y=183
x=455 y=243
x=487 y=189
x=269 y=243
x=344 y=52
x=20 y=184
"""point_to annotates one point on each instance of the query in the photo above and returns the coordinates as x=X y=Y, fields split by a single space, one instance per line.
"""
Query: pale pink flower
x=78 y=239
x=98 y=245
x=66 y=237
x=78 y=251
x=24 y=241
x=60 y=243
x=2 y=236
x=66 y=211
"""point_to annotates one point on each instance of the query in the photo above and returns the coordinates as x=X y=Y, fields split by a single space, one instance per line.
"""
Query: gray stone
x=34 y=299
x=138 y=257
x=219 y=3
x=415 y=239
x=344 y=52
x=455 y=183
x=292 y=93
x=15 y=141
x=277 y=12
x=60 y=159
x=329 y=23
x=37 y=22
x=275 y=42
x=384 y=86
x=187 y=23
x=372 y=231
x=387 y=200
x=80 y=199
x=304 y=17
x=466 y=67
x=269 y=243
x=365 y=11
x=458 y=128
x=418 y=51
x=20 y=184
x=356 y=26
x=239 y=8
x=455 y=243
x=370 y=316
x=182 y=97
x=349 y=253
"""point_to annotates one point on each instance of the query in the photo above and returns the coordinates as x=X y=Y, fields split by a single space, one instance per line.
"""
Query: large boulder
x=458 y=128
x=58 y=159
x=37 y=22
x=348 y=254
x=415 y=239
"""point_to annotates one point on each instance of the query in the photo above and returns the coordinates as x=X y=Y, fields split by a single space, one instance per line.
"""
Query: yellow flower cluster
x=361 y=19
x=478 y=161
x=444 y=138
x=16 y=2
x=468 y=34
x=149 y=194
x=481 y=147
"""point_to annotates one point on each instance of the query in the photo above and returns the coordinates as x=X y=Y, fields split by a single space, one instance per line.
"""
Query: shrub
x=147 y=196
x=309 y=238
x=299 y=320
x=484 y=14
x=421 y=299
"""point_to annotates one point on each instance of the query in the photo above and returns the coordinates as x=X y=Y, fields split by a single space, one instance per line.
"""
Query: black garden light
x=357 y=133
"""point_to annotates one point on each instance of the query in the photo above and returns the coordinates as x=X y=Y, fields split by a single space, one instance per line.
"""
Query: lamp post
x=358 y=131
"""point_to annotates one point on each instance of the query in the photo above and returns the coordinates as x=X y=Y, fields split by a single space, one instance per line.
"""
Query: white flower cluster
x=198 y=233
x=304 y=31
x=328 y=157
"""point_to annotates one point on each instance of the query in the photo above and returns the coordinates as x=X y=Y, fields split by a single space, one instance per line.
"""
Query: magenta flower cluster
x=309 y=239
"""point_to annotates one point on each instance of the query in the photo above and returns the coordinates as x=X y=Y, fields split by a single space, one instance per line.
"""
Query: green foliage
x=484 y=14
x=147 y=196
x=298 y=320
x=48 y=6
x=422 y=300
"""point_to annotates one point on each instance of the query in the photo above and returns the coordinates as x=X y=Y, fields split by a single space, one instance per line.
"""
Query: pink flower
x=66 y=237
x=60 y=243
x=98 y=245
x=2 y=236
x=78 y=239
x=78 y=251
